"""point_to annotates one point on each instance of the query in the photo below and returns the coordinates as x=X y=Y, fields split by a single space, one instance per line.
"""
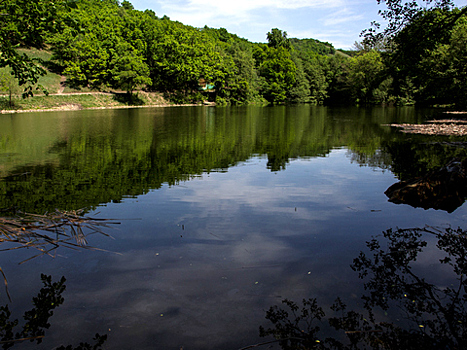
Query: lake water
x=223 y=213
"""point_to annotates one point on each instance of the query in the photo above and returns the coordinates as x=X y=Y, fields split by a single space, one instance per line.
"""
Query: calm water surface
x=224 y=212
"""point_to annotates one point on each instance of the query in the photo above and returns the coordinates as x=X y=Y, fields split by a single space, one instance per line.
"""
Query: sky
x=338 y=22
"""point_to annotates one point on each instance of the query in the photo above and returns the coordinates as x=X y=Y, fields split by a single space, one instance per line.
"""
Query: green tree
x=278 y=70
x=423 y=59
x=241 y=82
x=278 y=38
x=128 y=68
x=444 y=70
x=400 y=13
x=365 y=75
x=104 y=46
x=181 y=56
x=315 y=67
x=300 y=91
x=336 y=72
x=9 y=85
x=26 y=23
x=88 y=65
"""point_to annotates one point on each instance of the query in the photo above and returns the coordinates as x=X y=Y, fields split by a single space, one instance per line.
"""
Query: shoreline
x=76 y=101
x=79 y=108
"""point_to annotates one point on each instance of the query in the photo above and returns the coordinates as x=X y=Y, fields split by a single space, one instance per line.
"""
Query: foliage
x=278 y=70
x=8 y=84
x=277 y=38
x=300 y=90
x=26 y=23
x=111 y=45
x=312 y=46
x=365 y=75
x=444 y=69
x=128 y=68
x=101 y=45
x=420 y=52
x=240 y=83
x=400 y=13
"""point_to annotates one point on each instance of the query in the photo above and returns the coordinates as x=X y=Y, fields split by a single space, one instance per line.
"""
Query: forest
x=420 y=58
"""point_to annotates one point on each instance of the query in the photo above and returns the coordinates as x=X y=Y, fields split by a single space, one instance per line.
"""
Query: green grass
x=66 y=101
x=79 y=101
x=51 y=82
x=35 y=53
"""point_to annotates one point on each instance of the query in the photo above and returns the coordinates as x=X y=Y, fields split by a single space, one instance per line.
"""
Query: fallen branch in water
x=269 y=342
x=50 y=231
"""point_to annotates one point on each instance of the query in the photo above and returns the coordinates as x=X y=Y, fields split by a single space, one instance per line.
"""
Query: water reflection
x=36 y=320
x=80 y=159
x=444 y=189
x=238 y=207
x=427 y=305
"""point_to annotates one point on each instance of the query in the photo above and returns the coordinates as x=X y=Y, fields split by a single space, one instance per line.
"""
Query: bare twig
x=6 y=284
x=21 y=339
x=50 y=231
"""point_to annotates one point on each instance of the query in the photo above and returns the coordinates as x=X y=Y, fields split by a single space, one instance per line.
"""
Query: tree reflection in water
x=433 y=315
x=37 y=319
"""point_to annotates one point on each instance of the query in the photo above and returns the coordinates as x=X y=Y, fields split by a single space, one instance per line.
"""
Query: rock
x=443 y=189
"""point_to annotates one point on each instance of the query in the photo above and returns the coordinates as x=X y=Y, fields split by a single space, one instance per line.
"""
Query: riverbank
x=86 y=100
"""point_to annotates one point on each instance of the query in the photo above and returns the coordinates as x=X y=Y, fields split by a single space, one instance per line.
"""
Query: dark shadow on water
x=431 y=313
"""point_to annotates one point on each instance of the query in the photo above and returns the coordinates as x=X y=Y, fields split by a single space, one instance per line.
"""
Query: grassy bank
x=75 y=101
x=63 y=97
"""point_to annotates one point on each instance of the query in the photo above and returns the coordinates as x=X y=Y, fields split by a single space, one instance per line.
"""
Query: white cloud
x=339 y=22
x=253 y=19
x=342 y=16
x=233 y=8
x=257 y=16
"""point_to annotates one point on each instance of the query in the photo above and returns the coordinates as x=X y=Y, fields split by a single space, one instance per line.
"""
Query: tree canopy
x=26 y=23
x=104 y=44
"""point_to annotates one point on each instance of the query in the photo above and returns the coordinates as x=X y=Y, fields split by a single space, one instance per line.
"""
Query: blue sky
x=336 y=21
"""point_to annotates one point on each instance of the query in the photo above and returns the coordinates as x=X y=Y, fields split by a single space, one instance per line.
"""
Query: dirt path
x=74 y=107
x=81 y=93
x=62 y=85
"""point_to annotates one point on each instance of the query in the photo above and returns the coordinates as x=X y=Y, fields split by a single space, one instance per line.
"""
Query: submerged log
x=443 y=189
